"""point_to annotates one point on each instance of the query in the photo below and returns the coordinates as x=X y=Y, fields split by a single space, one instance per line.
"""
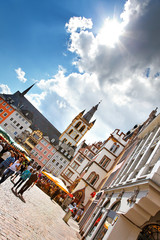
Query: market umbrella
x=58 y=182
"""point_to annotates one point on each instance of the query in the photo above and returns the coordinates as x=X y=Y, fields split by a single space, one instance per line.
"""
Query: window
x=44 y=142
x=76 y=136
x=53 y=160
x=26 y=122
x=4 y=104
x=70 y=131
x=49 y=156
x=18 y=125
x=11 y=119
x=65 y=153
x=36 y=153
x=61 y=167
x=53 y=151
x=82 y=128
x=62 y=150
x=10 y=110
x=104 y=161
x=21 y=127
x=90 y=155
x=80 y=158
x=64 y=161
x=78 y=124
x=40 y=158
x=69 y=144
x=68 y=173
x=61 y=158
x=93 y=178
x=15 y=133
x=69 y=156
x=74 y=165
x=36 y=136
x=16 y=114
x=64 y=140
x=7 y=107
x=44 y=162
x=5 y=124
x=14 y=122
x=1 y=101
x=45 y=152
x=1 y=110
x=49 y=147
x=114 y=147
x=57 y=163
x=5 y=114
x=23 y=119
x=1 y=118
x=20 y=117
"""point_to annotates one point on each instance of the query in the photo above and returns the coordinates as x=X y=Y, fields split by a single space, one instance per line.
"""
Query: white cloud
x=20 y=75
x=113 y=74
x=61 y=104
x=36 y=99
x=4 y=89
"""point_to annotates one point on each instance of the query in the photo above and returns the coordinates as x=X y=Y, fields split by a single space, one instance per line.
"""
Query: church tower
x=78 y=127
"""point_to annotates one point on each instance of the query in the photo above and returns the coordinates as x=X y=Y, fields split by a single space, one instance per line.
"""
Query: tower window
x=69 y=144
x=82 y=128
x=70 y=131
x=64 y=140
x=76 y=136
x=78 y=124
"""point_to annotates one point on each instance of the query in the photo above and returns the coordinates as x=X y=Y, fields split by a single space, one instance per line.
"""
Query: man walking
x=33 y=178
x=13 y=168
x=6 y=163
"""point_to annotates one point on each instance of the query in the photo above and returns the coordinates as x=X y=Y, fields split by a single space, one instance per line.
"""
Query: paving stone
x=38 y=218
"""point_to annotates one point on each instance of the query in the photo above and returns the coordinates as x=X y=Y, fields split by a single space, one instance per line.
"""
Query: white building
x=16 y=123
x=94 y=174
x=81 y=159
x=60 y=159
x=129 y=205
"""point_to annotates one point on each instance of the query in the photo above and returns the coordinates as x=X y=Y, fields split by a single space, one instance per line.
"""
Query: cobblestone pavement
x=38 y=218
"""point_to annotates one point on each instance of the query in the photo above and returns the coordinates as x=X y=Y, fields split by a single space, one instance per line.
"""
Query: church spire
x=27 y=90
x=91 y=112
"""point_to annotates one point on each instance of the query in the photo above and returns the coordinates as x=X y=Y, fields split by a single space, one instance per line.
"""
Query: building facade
x=129 y=206
x=43 y=151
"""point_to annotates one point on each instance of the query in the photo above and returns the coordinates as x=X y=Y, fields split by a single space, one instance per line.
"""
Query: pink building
x=42 y=152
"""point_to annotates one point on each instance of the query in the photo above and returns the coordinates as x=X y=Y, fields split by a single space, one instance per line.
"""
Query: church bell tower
x=78 y=127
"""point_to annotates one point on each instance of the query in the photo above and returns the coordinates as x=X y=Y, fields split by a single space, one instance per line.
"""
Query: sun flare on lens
x=110 y=32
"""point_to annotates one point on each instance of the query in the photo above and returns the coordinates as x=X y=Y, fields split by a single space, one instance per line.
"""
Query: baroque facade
x=128 y=206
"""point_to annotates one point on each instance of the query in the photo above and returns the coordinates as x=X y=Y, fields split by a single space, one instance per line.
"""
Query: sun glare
x=110 y=32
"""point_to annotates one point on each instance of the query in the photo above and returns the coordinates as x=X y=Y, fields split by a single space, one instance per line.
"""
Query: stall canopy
x=58 y=182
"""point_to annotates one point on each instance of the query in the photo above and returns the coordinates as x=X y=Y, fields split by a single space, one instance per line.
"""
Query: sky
x=79 y=53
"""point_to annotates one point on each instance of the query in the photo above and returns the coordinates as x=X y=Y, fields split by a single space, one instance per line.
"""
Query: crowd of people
x=14 y=165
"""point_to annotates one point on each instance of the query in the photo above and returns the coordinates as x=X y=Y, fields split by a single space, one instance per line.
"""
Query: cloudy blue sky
x=81 y=52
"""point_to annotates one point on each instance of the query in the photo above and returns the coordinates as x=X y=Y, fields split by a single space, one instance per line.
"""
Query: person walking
x=6 y=163
x=78 y=214
x=13 y=168
x=22 y=168
x=33 y=178
x=26 y=174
